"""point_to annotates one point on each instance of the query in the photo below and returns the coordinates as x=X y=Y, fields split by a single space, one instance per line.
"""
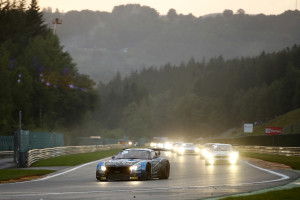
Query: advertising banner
x=248 y=128
x=273 y=130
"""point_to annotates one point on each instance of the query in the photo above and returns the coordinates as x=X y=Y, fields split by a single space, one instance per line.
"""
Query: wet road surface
x=189 y=178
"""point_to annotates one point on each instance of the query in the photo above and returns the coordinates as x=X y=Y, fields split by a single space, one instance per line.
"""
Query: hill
x=290 y=122
x=133 y=37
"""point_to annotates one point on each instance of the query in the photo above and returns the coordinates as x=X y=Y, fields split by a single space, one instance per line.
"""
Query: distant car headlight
x=153 y=144
x=103 y=168
x=234 y=157
x=209 y=156
x=134 y=167
x=204 y=152
x=181 y=150
x=160 y=145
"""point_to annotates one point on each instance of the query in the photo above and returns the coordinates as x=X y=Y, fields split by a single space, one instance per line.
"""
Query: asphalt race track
x=189 y=178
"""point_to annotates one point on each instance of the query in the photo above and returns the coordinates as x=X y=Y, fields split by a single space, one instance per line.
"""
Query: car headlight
x=103 y=168
x=209 y=156
x=234 y=157
x=204 y=152
x=181 y=150
x=134 y=167
x=152 y=144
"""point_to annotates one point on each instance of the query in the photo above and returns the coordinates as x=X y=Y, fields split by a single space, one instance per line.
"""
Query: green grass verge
x=290 y=194
x=284 y=120
x=7 y=174
x=75 y=159
x=291 y=161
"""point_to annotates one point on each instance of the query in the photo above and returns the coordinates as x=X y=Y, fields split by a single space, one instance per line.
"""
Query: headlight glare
x=234 y=155
x=103 y=168
x=134 y=167
x=181 y=150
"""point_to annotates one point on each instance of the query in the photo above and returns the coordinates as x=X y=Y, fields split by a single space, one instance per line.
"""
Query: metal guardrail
x=6 y=154
x=35 y=155
x=286 y=151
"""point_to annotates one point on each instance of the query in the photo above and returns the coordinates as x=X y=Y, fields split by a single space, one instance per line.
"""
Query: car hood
x=122 y=162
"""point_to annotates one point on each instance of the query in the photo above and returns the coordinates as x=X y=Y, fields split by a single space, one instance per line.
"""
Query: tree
x=227 y=13
x=240 y=12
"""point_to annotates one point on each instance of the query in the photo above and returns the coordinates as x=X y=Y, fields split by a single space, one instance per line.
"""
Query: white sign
x=248 y=128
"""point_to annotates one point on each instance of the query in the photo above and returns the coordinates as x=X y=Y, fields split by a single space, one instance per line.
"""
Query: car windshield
x=133 y=154
x=188 y=145
x=221 y=148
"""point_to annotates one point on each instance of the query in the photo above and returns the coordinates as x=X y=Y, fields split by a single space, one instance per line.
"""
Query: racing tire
x=148 y=173
x=166 y=171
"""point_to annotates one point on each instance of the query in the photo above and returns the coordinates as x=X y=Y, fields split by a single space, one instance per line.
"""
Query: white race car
x=221 y=153
x=188 y=148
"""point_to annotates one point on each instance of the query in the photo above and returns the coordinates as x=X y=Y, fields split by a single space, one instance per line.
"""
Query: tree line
x=37 y=77
x=201 y=99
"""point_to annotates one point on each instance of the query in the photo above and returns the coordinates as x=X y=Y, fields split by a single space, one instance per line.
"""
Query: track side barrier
x=286 y=151
x=35 y=155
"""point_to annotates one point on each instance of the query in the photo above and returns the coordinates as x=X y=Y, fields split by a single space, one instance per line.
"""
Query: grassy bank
x=291 y=161
x=68 y=160
x=8 y=174
x=290 y=194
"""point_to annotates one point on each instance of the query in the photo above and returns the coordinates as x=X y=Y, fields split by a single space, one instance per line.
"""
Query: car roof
x=138 y=149
x=222 y=145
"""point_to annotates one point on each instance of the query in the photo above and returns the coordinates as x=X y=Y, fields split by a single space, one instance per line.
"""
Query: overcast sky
x=196 y=7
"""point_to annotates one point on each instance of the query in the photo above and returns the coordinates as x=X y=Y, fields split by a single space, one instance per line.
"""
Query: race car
x=188 y=148
x=134 y=164
x=221 y=153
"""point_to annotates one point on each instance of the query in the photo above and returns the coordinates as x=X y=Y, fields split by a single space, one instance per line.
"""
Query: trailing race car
x=188 y=148
x=221 y=153
x=134 y=164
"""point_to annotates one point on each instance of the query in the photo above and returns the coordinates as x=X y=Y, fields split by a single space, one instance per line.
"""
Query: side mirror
x=113 y=157
x=157 y=154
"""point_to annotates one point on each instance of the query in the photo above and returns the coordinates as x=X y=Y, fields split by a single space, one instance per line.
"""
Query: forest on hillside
x=38 y=79
x=132 y=37
x=200 y=99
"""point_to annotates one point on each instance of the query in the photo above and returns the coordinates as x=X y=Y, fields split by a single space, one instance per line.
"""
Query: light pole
x=20 y=120
x=55 y=22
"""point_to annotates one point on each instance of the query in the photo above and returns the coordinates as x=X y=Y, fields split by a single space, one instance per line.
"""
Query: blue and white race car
x=134 y=164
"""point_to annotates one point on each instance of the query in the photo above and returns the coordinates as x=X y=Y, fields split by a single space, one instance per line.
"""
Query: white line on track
x=67 y=171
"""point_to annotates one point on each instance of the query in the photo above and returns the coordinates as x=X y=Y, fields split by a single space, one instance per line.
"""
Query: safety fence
x=35 y=155
x=6 y=143
x=286 y=151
